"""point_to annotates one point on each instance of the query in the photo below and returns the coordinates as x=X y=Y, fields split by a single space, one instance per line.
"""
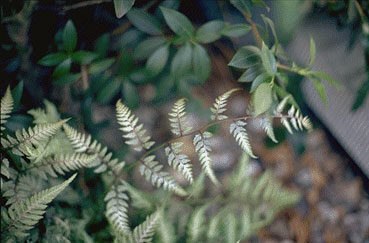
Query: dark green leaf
x=328 y=78
x=262 y=98
x=62 y=69
x=235 y=30
x=209 y=31
x=178 y=23
x=262 y=78
x=109 y=90
x=53 y=59
x=129 y=39
x=201 y=62
x=130 y=95
x=251 y=73
x=69 y=37
x=157 y=60
x=182 y=61
x=102 y=45
x=268 y=60
x=121 y=7
x=17 y=93
x=319 y=86
x=312 y=51
x=139 y=76
x=361 y=95
x=271 y=25
x=100 y=66
x=144 y=21
x=245 y=57
x=242 y=6
x=126 y=64
x=83 y=57
x=260 y=3
x=283 y=78
x=147 y=47
x=67 y=79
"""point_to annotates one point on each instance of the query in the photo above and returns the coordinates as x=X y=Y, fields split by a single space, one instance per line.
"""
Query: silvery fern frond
x=6 y=108
x=117 y=209
x=84 y=143
x=23 y=215
x=179 y=161
x=219 y=106
x=134 y=133
x=196 y=225
x=152 y=171
x=144 y=232
x=34 y=136
x=202 y=147
x=239 y=133
x=266 y=124
x=59 y=164
x=178 y=118
x=298 y=121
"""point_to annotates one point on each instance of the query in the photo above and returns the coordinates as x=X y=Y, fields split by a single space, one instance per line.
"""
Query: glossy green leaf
x=312 y=51
x=69 y=37
x=361 y=95
x=210 y=31
x=62 y=69
x=130 y=95
x=201 y=62
x=145 y=48
x=17 y=93
x=182 y=61
x=262 y=98
x=101 y=46
x=261 y=78
x=83 y=57
x=319 y=87
x=235 y=30
x=246 y=57
x=268 y=60
x=109 y=90
x=242 y=6
x=67 y=79
x=121 y=7
x=144 y=21
x=53 y=59
x=251 y=73
x=157 y=60
x=328 y=78
x=269 y=22
x=100 y=66
x=177 y=22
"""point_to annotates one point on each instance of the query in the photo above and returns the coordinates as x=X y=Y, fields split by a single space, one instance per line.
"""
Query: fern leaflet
x=202 y=147
x=178 y=118
x=180 y=162
x=239 y=133
x=134 y=133
x=117 y=209
x=145 y=231
x=219 y=106
x=6 y=108
x=152 y=171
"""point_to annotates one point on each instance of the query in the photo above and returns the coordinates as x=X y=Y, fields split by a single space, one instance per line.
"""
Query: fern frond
x=134 y=133
x=196 y=225
x=298 y=121
x=220 y=104
x=267 y=125
x=59 y=164
x=240 y=134
x=202 y=147
x=152 y=171
x=84 y=143
x=180 y=162
x=145 y=231
x=6 y=108
x=25 y=139
x=23 y=215
x=178 y=118
x=117 y=209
